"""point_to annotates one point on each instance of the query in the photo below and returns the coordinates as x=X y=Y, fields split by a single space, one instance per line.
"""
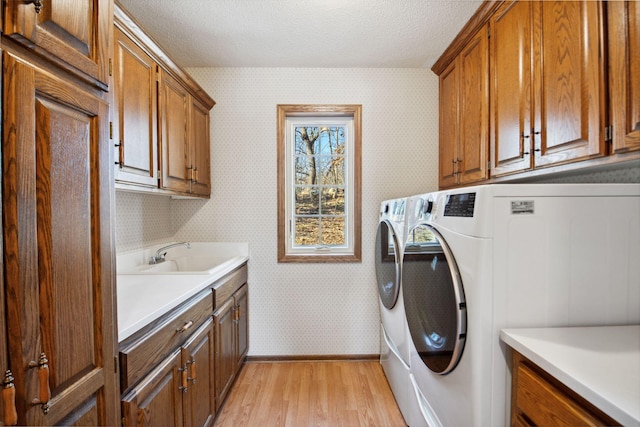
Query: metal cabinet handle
x=9 y=399
x=37 y=5
x=120 y=154
x=192 y=371
x=185 y=327
x=183 y=385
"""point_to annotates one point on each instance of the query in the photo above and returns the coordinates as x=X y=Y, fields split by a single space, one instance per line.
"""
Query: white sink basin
x=183 y=265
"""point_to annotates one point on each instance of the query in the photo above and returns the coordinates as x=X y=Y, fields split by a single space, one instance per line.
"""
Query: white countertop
x=142 y=298
x=601 y=363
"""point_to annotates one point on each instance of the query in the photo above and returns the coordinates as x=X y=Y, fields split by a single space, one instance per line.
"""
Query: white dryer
x=394 y=335
x=512 y=255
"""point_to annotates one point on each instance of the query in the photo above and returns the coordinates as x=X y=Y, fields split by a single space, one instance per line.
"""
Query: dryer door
x=433 y=299
x=387 y=264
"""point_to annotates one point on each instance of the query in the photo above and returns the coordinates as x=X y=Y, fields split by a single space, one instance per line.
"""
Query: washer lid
x=433 y=299
x=387 y=264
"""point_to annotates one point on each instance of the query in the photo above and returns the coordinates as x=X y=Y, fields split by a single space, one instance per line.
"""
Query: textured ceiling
x=303 y=33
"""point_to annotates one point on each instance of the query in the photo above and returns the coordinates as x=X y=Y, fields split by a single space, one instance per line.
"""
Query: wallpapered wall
x=308 y=309
x=304 y=309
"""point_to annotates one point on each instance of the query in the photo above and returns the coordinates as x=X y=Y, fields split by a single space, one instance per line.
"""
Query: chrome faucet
x=160 y=253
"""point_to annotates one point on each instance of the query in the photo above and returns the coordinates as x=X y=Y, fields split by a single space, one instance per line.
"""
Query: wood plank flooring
x=311 y=393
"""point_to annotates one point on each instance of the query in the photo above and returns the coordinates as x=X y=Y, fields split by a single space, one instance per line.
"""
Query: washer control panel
x=461 y=205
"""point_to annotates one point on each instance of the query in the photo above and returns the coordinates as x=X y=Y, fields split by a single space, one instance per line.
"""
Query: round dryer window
x=433 y=299
x=387 y=265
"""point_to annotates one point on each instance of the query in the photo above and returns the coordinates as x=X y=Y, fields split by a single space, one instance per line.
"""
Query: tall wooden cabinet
x=548 y=84
x=464 y=109
x=57 y=198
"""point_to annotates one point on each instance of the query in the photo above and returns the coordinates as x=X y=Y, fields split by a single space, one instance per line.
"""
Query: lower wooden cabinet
x=171 y=376
x=157 y=400
x=231 y=341
x=242 y=324
x=538 y=399
x=179 y=391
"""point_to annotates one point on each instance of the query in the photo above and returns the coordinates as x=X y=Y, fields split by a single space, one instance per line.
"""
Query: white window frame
x=290 y=117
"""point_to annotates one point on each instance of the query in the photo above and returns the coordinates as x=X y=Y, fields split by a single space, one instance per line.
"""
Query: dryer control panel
x=461 y=205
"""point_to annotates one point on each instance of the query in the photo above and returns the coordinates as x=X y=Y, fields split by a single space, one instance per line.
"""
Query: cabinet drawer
x=541 y=402
x=144 y=351
x=224 y=288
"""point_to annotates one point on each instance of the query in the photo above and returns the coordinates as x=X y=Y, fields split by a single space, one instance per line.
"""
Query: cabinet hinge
x=489 y=165
x=488 y=32
x=608 y=133
x=110 y=67
x=123 y=422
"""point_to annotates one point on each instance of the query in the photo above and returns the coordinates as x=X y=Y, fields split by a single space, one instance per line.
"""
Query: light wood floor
x=311 y=393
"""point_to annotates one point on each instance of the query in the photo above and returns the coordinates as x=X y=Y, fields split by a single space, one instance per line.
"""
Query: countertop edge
x=522 y=340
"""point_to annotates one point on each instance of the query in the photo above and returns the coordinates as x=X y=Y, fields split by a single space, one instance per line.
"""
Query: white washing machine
x=394 y=335
x=513 y=255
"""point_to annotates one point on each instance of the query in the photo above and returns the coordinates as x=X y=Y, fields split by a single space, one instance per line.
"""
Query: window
x=319 y=183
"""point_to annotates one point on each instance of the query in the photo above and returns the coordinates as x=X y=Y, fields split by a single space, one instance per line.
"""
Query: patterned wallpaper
x=303 y=309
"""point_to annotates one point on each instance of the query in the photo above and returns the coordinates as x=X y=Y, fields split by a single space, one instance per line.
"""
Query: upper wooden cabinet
x=136 y=113
x=72 y=34
x=199 y=152
x=464 y=108
x=161 y=122
x=184 y=134
x=551 y=107
x=174 y=119
x=511 y=88
x=547 y=92
x=624 y=74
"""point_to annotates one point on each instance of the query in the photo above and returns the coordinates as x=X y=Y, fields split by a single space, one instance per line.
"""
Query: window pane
x=331 y=170
x=306 y=231
x=307 y=140
x=305 y=167
x=307 y=201
x=333 y=201
x=333 y=231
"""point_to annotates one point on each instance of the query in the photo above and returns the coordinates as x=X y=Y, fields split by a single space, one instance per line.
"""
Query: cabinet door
x=72 y=33
x=57 y=243
x=242 y=324
x=174 y=104
x=473 y=109
x=624 y=74
x=136 y=115
x=568 y=81
x=4 y=363
x=449 y=126
x=511 y=87
x=157 y=399
x=197 y=356
x=199 y=150
x=225 y=350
